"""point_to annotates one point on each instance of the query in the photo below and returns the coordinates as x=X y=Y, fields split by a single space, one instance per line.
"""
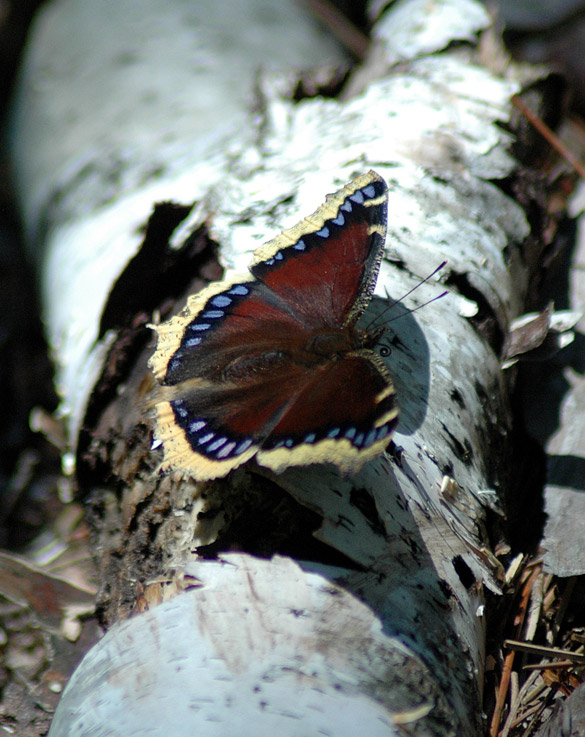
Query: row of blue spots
x=288 y=443
x=193 y=334
x=211 y=443
x=364 y=440
x=278 y=256
x=358 y=440
x=208 y=442
x=214 y=309
x=180 y=409
x=360 y=195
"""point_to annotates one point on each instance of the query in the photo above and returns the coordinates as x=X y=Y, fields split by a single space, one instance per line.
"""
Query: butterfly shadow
x=387 y=537
x=405 y=352
x=385 y=559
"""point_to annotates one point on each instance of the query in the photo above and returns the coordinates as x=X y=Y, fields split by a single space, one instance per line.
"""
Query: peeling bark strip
x=382 y=623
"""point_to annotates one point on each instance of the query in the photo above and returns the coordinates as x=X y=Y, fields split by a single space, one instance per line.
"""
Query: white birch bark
x=265 y=647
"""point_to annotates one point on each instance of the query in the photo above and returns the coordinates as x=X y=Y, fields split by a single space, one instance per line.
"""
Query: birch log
x=367 y=610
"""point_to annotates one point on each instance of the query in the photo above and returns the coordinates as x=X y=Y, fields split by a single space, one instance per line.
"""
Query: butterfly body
x=272 y=365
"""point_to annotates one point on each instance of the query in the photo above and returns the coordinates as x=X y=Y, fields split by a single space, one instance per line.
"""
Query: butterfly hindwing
x=360 y=415
x=211 y=427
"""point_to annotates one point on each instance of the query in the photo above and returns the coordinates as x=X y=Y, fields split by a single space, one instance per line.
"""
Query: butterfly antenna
x=424 y=304
x=426 y=279
x=410 y=291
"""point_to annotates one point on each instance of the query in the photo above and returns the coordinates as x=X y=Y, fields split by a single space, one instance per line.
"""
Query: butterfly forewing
x=250 y=322
x=325 y=267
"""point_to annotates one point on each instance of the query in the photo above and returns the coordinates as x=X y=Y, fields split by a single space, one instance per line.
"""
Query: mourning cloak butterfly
x=271 y=365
